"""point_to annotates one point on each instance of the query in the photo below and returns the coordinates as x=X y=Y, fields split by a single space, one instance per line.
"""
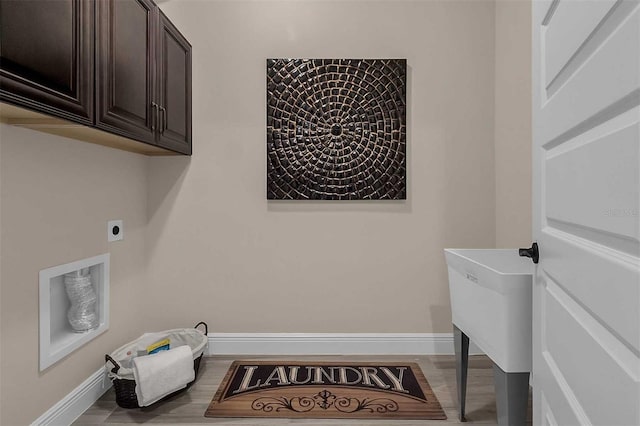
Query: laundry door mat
x=364 y=390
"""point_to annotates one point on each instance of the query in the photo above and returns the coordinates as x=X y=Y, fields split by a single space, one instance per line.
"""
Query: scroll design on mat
x=324 y=400
x=297 y=404
x=378 y=405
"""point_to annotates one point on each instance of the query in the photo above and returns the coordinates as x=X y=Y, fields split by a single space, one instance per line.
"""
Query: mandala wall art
x=336 y=129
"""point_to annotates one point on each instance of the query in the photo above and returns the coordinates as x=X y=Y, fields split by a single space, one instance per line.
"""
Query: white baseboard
x=77 y=401
x=333 y=344
x=87 y=393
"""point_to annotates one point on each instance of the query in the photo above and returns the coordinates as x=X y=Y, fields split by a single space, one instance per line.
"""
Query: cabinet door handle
x=164 y=120
x=154 y=116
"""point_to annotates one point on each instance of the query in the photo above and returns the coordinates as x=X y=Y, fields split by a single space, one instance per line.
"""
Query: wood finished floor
x=188 y=408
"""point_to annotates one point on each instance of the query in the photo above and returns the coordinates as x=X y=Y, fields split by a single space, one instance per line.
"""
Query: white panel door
x=586 y=162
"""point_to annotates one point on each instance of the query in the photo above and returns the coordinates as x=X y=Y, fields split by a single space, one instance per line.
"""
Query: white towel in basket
x=162 y=373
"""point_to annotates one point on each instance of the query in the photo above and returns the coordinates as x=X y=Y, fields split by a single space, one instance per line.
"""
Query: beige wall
x=247 y=265
x=513 y=123
x=56 y=197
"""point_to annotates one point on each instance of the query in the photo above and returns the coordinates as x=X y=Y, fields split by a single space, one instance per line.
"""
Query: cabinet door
x=174 y=65
x=125 y=68
x=46 y=59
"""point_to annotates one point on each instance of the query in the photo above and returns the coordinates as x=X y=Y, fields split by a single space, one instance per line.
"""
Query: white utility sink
x=490 y=293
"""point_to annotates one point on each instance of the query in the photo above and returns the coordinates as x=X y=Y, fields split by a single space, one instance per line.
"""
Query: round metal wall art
x=336 y=129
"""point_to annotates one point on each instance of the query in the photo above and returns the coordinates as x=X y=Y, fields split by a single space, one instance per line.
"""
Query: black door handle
x=530 y=252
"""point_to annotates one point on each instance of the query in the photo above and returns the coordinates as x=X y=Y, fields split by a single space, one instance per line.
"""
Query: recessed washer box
x=57 y=337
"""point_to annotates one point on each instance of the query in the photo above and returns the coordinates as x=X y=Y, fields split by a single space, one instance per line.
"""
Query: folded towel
x=162 y=373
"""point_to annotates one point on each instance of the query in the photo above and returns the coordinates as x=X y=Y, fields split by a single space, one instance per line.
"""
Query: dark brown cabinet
x=174 y=83
x=144 y=75
x=116 y=65
x=125 y=64
x=46 y=57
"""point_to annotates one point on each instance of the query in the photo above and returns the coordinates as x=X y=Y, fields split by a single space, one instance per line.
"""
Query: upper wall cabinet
x=174 y=83
x=126 y=68
x=57 y=54
x=46 y=57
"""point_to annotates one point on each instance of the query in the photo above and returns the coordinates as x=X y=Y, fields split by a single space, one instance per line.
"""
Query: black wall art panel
x=336 y=129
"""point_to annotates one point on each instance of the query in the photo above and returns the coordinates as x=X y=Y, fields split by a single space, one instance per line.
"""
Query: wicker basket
x=125 y=387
